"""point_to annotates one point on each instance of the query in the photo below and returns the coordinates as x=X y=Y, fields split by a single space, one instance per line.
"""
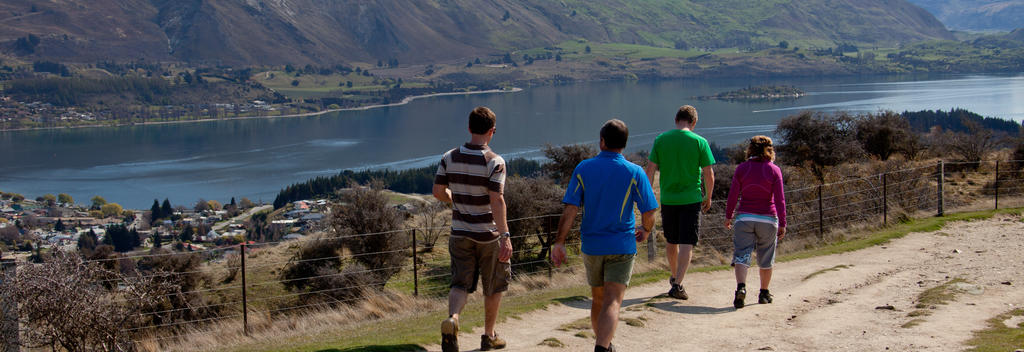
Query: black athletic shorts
x=681 y=223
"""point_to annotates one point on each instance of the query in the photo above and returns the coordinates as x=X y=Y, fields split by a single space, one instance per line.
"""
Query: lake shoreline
x=404 y=101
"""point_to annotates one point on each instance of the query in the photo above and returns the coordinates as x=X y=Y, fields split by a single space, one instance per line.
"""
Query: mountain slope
x=329 y=31
x=977 y=15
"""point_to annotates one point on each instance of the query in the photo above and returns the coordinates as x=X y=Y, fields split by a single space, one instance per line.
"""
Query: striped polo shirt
x=470 y=171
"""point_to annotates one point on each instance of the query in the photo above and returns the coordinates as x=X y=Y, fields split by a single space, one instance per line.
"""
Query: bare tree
x=433 y=221
x=62 y=304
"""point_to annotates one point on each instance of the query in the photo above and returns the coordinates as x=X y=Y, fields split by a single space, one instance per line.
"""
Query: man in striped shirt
x=472 y=178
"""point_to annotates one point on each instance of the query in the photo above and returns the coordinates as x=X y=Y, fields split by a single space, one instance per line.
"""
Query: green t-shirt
x=680 y=155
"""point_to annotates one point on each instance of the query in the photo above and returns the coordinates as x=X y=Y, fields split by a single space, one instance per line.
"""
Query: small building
x=314 y=217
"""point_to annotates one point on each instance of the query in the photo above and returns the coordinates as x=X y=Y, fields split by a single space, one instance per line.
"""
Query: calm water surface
x=256 y=158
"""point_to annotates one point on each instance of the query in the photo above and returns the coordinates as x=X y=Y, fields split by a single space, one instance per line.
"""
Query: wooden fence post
x=885 y=200
x=997 y=184
x=415 y=267
x=821 y=215
x=12 y=342
x=941 y=179
x=245 y=303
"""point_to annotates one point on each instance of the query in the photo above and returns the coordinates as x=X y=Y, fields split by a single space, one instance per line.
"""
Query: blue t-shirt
x=606 y=187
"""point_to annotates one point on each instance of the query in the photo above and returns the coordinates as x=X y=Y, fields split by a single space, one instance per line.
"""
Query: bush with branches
x=817 y=141
x=563 y=160
x=60 y=305
x=528 y=200
x=433 y=221
x=887 y=133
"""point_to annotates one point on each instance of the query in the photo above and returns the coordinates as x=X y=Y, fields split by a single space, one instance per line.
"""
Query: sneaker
x=611 y=348
x=678 y=292
x=764 y=297
x=450 y=335
x=741 y=294
x=488 y=343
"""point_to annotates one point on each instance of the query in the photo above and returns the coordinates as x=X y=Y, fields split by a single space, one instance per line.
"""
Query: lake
x=256 y=158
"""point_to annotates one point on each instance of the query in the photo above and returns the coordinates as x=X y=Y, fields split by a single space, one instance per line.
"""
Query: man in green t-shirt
x=684 y=159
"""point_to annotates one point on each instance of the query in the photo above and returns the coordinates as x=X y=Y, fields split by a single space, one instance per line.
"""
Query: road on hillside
x=866 y=302
x=221 y=225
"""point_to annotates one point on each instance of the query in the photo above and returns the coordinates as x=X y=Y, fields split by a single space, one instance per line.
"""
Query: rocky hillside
x=977 y=15
x=326 y=32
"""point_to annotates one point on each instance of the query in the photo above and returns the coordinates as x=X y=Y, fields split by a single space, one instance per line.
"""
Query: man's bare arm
x=709 y=186
x=651 y=169
x=442 y=193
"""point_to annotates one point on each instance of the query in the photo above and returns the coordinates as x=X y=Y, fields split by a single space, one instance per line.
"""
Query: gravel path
x=863 y=304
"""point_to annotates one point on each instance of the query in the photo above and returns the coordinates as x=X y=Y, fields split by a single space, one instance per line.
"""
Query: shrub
x=433 y=220
x=817 y=141
x=60 y=304
x=366 y=223
x=563 y=160
x=885 y=134
x=529 y=199
x=181 y=272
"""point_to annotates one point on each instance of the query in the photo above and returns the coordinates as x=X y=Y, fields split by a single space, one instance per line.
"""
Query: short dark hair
x=687 y=113
x=481 y=120
x=615 y=133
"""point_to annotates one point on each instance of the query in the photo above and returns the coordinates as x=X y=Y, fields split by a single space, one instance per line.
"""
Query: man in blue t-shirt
x=606 y=187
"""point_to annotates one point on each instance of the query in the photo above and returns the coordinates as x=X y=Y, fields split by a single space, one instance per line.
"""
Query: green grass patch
x=912 y=323
x=822 y=271
x=581 y=324
x=551 y=342
x=942 y=294
x=390 y=348
x=633 y=322
x=585 y=334
x=998 y=336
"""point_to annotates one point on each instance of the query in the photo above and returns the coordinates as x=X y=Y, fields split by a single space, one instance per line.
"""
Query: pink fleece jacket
x=760 y=184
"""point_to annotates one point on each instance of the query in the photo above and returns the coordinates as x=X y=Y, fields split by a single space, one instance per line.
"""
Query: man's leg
x=608 y=319
x=456 y=301
x=672 y=253
x=683 y=261
x=595 y=306
x=491 y=305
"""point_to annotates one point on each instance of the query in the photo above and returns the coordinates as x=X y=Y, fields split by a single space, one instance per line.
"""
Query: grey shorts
x=749 y=235
x=473 y=260
x=616 y=268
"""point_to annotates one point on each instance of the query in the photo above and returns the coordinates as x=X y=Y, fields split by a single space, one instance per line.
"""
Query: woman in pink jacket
x=760 y=218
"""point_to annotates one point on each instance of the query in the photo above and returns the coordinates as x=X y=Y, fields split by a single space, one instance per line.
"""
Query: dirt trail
x=835 y=310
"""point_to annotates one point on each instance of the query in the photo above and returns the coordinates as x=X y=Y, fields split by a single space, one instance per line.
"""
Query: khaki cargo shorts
x=472 y=260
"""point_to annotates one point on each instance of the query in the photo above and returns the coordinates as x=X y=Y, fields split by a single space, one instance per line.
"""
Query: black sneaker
x=741 y=294
x=764 y=297
x=450 y=335
x=598 y=348
x=678 y=292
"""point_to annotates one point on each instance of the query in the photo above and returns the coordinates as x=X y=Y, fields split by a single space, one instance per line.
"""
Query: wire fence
x=232 y=284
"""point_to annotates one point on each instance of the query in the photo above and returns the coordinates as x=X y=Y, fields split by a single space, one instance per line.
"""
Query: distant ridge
x=977 y=15
x=327 y=32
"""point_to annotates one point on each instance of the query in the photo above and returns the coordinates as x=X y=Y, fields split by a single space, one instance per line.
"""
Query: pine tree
x=187 y=234
x=157 y=240
x=166 y=209
x=155 y=212
x=59 y=226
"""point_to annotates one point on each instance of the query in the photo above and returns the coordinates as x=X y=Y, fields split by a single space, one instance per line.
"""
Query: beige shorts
x=473 y=260
x=608 y=268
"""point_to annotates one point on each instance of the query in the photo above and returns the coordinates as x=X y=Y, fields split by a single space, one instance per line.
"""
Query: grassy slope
x=422 y=329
